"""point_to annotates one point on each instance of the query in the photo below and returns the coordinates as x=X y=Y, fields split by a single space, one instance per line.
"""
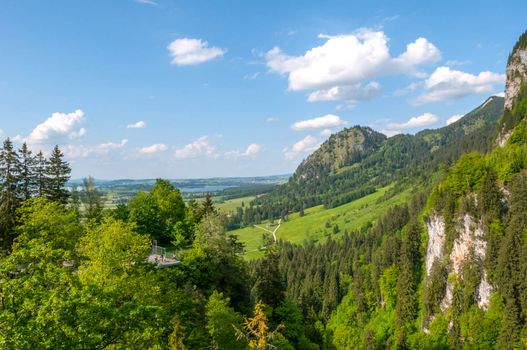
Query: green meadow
x=319 y=223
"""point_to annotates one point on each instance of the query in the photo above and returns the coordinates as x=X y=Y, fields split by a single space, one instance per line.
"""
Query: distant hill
x=356 y=161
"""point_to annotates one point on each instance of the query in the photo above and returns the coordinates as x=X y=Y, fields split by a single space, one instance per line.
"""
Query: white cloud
x=139 y=125
x=188 y=51
x=271 y=120
x=57 y=128
x=454 y=118
x=326 y=133
x=355 y=92
x=80 y=151
x=345 y=62
x=155 y=148
x=306 y=145
x=199 y=147
x=447 y=84
x=418 y=52
x=327 y=121
x=500 y=94
x=2 y=133
x=390 y=133
x=251 y=150
x=415 y=122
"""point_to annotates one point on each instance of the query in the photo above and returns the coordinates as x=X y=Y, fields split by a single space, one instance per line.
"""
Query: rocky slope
x=462 y=240
x=516 y=72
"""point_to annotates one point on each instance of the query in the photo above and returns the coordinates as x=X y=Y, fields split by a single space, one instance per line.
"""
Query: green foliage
x=480 y=329
x=48 y=222
x=466 y=174
x=57 y=175
x=388 y=285
x=222 y=322
x=161 y=213
x=435 y=288
x=269 y=284
x=91 y=199
x=110 y=251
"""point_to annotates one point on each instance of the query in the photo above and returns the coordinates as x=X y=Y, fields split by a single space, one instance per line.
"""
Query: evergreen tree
x=9 y=191
x=207 y=207
x=57 y=173
x=269 y=285
x=41 y=179
x=27 y=172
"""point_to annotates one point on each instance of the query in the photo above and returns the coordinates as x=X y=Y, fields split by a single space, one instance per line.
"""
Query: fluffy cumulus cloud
x=446 y=84
x=251 y=150
x=416 y=122
x=355 y=92
x=199 y=147
x=454 y=119
x=139 y=125
x=345 y=65
x=79 y=151
x=307 y=145
x=56 y=129
x=155 y=148
x=327 y=121
x=188 y=51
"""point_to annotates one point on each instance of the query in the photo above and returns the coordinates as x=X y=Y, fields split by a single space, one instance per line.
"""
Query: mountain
x=515 y=89
x=356 y=161
x=447 y=270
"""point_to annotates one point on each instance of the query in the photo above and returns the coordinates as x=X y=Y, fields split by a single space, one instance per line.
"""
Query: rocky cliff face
x=469 y=243
x=516 y=75
x=515 y=89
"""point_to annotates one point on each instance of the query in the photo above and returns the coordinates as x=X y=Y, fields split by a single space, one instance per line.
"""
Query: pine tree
x=41 y=180
x=207 y=206
x=9 y=191
x=57 y=173
x=269 y=285
x=26 y=170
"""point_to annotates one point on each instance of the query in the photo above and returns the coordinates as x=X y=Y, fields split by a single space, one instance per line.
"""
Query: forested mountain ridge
x=446 y=271
x=356 y=161
x=341 y=150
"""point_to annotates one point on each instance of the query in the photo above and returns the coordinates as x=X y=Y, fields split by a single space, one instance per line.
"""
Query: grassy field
x=229 y=206
x=319 y=223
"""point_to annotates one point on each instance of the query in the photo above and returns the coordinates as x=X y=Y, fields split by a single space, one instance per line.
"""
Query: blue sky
x=142 y=89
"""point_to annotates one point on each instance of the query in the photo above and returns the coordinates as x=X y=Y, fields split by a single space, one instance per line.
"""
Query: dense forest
x=447 y=270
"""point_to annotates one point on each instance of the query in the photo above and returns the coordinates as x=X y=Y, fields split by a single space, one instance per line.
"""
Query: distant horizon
x=180 y=179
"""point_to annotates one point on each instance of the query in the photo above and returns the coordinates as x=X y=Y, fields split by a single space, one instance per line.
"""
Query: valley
x=397 y=220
